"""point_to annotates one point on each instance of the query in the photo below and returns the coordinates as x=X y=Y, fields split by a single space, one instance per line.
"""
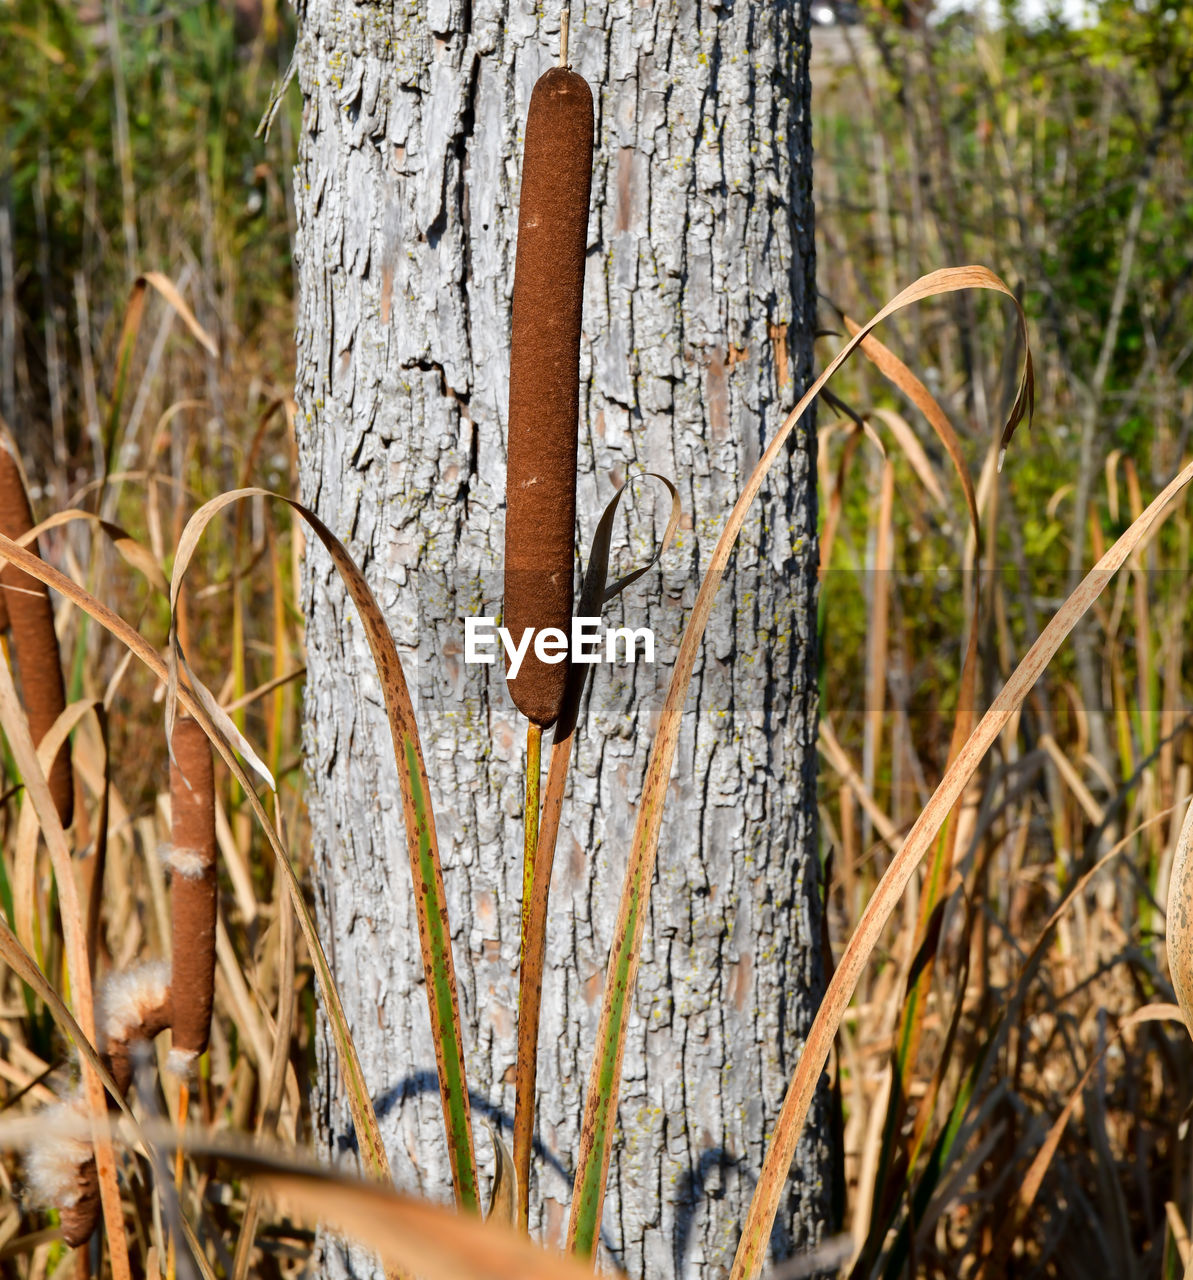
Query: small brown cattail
x=80 y=1218
x=540 y=529
x=60 y=1170
x=133 y=1006
x=193 y=892
x=60 y=1167
x=31 y=618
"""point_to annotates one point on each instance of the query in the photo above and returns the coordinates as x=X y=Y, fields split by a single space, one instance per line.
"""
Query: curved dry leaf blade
x=359 y=1101
x=263 y=690
x=596 y=1135
x=917 y=458
x=1178 y=925
x=421 y=839
x=503 y=1197
x=28 y=824
x=595 y=593
x=424 y=1239
x=836 y=500
x=889 y=890
x=134 y=313
x=224 y=720
x=128 y=548
x=417 y=1236
x=168 y=290
x=897 y=373
x=49 y=51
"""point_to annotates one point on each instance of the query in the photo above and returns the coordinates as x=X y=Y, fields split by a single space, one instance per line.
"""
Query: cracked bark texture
x=699 y=312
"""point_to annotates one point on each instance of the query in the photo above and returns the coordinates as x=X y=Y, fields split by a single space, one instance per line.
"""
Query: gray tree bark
x=700 y=307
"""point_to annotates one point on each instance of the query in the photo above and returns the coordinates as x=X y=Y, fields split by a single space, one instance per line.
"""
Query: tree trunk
x=699 y=313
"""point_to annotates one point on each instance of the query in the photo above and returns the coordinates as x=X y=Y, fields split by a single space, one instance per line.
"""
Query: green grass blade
x=452 y=1084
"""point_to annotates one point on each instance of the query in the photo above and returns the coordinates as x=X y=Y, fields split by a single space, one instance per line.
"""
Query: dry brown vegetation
x=1063 y=173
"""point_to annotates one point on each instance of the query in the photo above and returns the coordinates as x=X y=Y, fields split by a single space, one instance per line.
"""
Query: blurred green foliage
x=1061 y=156
x=127 y=143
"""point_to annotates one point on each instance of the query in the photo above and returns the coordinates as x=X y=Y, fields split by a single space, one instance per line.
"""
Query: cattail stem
x=540 y=530
x=534 y=767
x=184 y=1097
x=526 y=1070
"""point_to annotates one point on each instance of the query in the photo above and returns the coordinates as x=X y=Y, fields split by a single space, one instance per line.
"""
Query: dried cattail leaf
x=1179 y=920
x=503 y=1196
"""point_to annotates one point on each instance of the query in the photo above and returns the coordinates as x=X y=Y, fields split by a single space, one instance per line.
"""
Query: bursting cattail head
x=131 y=1006
x=60 y=1170
x=30 y=616
x=544 y=401
x=193 y=891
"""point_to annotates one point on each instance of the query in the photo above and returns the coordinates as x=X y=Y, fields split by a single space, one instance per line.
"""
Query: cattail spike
x=540 y=530
x=193 y=891
x=30 y=615
x=60 y=1170
x=131 y=1007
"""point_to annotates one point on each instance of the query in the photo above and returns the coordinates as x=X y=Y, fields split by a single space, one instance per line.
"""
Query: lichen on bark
x=699 y=311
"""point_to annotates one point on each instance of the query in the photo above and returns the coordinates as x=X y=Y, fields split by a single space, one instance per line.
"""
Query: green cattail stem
x=528 y=998
x=534 y=766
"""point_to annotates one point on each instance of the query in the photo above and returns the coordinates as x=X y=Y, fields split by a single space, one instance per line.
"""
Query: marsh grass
x=1058 y=160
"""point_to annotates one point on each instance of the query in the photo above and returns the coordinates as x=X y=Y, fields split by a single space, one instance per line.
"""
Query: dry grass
x=1039 y=958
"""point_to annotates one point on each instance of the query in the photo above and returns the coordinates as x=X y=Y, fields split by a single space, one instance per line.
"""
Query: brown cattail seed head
x=60 y=1170
x=540 y=529
x=80 y=1219
x=31 y=618
x=193 y=889
x=132 y=1006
